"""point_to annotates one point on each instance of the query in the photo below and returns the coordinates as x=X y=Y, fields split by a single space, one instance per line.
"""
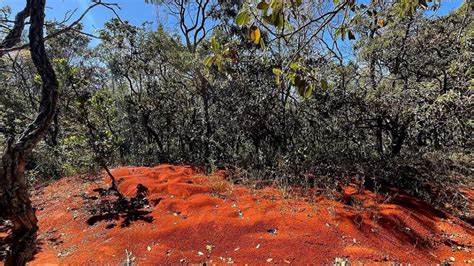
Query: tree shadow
x=411 y=222
x=6 y=240
x=418 y=206
x=115 y=208
x=404 y=233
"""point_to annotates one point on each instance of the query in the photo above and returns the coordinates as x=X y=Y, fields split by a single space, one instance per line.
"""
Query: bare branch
x=14 y=35
x=110 y=6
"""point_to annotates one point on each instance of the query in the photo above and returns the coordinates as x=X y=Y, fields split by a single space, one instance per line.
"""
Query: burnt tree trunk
x=14 y=197
x=398 y=137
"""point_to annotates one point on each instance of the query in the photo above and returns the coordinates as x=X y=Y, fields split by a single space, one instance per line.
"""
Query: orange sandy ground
x=207 y=219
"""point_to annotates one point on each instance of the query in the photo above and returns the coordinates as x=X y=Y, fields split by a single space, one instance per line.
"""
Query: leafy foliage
x=267 y=90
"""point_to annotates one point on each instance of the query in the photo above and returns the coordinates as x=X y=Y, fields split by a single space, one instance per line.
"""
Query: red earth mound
x=192 y=218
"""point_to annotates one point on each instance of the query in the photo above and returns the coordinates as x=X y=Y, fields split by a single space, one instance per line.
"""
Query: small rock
x=209 y=248
x=63 y=254
x=272 y=231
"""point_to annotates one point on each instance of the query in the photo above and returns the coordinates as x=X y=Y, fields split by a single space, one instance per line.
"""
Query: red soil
x=206 y=219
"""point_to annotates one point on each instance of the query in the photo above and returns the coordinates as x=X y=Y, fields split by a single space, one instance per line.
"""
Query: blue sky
x=135 y=11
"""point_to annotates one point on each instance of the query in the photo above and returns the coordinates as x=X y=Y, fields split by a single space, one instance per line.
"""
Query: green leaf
x=208 y=60
x=218 y=61
x=281 y=21
x=215 y=45
x=324 y=84
x=37 y=79
x=309 y=91
x=267 y=19
x=276 y=71
x=263 y=5
x=291 y=77
x=294 y=66
x=242 y=18
x=277 y=80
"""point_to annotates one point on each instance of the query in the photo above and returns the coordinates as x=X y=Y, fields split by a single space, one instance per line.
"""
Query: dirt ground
x=174 y=214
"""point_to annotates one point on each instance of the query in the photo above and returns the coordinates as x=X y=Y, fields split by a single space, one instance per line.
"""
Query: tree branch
x=7 y=49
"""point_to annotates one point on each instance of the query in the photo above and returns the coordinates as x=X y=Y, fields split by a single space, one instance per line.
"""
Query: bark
x=113 y=185
x=14 y=36
x=373 y=85
x=54 y=131
x=399 y=133
x=151 y=132
x=14 y=197
x=379 y=135
x=205 y=96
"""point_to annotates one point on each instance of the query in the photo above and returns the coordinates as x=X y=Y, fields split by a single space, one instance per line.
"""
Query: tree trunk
x=399 y=134
x=14 y=197
x=204 y=92
x=379 y=136
x=17 y=207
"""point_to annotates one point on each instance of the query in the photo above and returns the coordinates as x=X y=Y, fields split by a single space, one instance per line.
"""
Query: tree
x=14 y=195
x=206 y=94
